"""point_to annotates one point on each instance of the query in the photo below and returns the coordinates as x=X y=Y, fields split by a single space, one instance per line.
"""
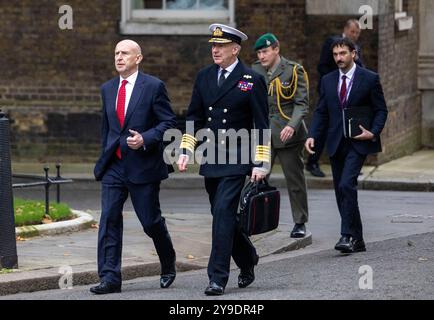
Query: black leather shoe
x=167 y=279
x=299 y=231
x=358 y=245
x=168 y=274
x=247 y=276
x=315 y=170
x=106 y=288
x=344 y=245
x=214 y=289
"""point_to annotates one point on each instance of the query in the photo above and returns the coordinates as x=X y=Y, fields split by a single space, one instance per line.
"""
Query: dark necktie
x=120 y=109
x=343 y=93
x=222 y=77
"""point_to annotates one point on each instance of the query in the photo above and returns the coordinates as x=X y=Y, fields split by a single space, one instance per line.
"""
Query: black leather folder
x=354 y=117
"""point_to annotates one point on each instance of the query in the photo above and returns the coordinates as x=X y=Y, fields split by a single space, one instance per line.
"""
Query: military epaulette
x=263 y=153
x=188 y=142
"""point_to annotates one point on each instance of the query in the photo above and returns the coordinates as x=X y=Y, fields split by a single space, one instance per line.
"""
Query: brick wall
x=319 y=28
x=391 y=53
x=50 y=87
x=285 y=19
x=397 y=53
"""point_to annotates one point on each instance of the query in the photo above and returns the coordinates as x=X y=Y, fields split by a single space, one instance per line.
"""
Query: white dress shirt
x=228 y=70
x=128 y=91
x=349 y=80
x=128 y=88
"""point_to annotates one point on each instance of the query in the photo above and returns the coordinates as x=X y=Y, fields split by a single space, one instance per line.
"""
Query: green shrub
x=28 y=212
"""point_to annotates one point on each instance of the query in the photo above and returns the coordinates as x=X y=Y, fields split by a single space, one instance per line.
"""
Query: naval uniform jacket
x=240 y=103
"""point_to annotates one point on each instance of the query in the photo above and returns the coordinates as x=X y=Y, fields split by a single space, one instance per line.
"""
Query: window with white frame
x=399 y=9
x=403 y=22
x=189 y=17
x=398 y=5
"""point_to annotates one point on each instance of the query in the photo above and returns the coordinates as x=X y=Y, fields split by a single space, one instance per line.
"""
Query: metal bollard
x=8 y=245
x=58 y=177
x=47 y=191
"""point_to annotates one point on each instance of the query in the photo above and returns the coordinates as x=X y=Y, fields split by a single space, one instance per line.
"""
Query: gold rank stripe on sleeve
x=263 y=154
x=188 y=142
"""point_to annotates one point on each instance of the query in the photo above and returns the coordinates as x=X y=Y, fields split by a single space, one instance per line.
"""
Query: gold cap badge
x=217 y=32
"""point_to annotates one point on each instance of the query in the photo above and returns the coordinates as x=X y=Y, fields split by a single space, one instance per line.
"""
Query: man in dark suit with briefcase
x=136 y=113
x=350 y=87
x=327 y=64
x=227 y=98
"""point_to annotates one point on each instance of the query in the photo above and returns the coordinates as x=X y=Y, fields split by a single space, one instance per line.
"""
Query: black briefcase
x=259 y=208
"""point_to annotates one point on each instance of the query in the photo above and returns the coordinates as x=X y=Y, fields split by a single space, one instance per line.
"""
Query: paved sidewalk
x=43 y=260
x=410 y=173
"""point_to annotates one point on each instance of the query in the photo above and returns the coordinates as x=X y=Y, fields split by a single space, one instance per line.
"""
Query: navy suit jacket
x=328 y=120
x=149 y=113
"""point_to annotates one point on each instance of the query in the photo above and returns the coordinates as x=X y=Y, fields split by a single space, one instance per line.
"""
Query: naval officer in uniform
x=288 y=99
x=228 y=97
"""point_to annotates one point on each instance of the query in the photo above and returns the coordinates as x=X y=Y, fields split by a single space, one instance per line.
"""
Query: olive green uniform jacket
x=296 y=108
x=288 y=87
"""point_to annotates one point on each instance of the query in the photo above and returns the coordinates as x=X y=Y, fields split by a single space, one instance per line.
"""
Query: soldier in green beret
x=288 y=99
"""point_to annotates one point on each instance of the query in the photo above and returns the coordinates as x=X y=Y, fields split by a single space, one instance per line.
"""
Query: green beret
x=265 y=41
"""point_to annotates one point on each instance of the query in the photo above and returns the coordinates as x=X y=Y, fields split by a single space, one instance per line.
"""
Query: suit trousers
x=291 y=159
x=227 y=239
x=145 y=199
x=346 y=166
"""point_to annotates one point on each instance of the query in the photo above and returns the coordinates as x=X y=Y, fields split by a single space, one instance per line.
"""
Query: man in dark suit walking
x=326 y=65
x=228 y=98
x=136 y=113
x=349 y=87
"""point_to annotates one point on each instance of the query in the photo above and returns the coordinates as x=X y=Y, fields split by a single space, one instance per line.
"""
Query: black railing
x=46 y=182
